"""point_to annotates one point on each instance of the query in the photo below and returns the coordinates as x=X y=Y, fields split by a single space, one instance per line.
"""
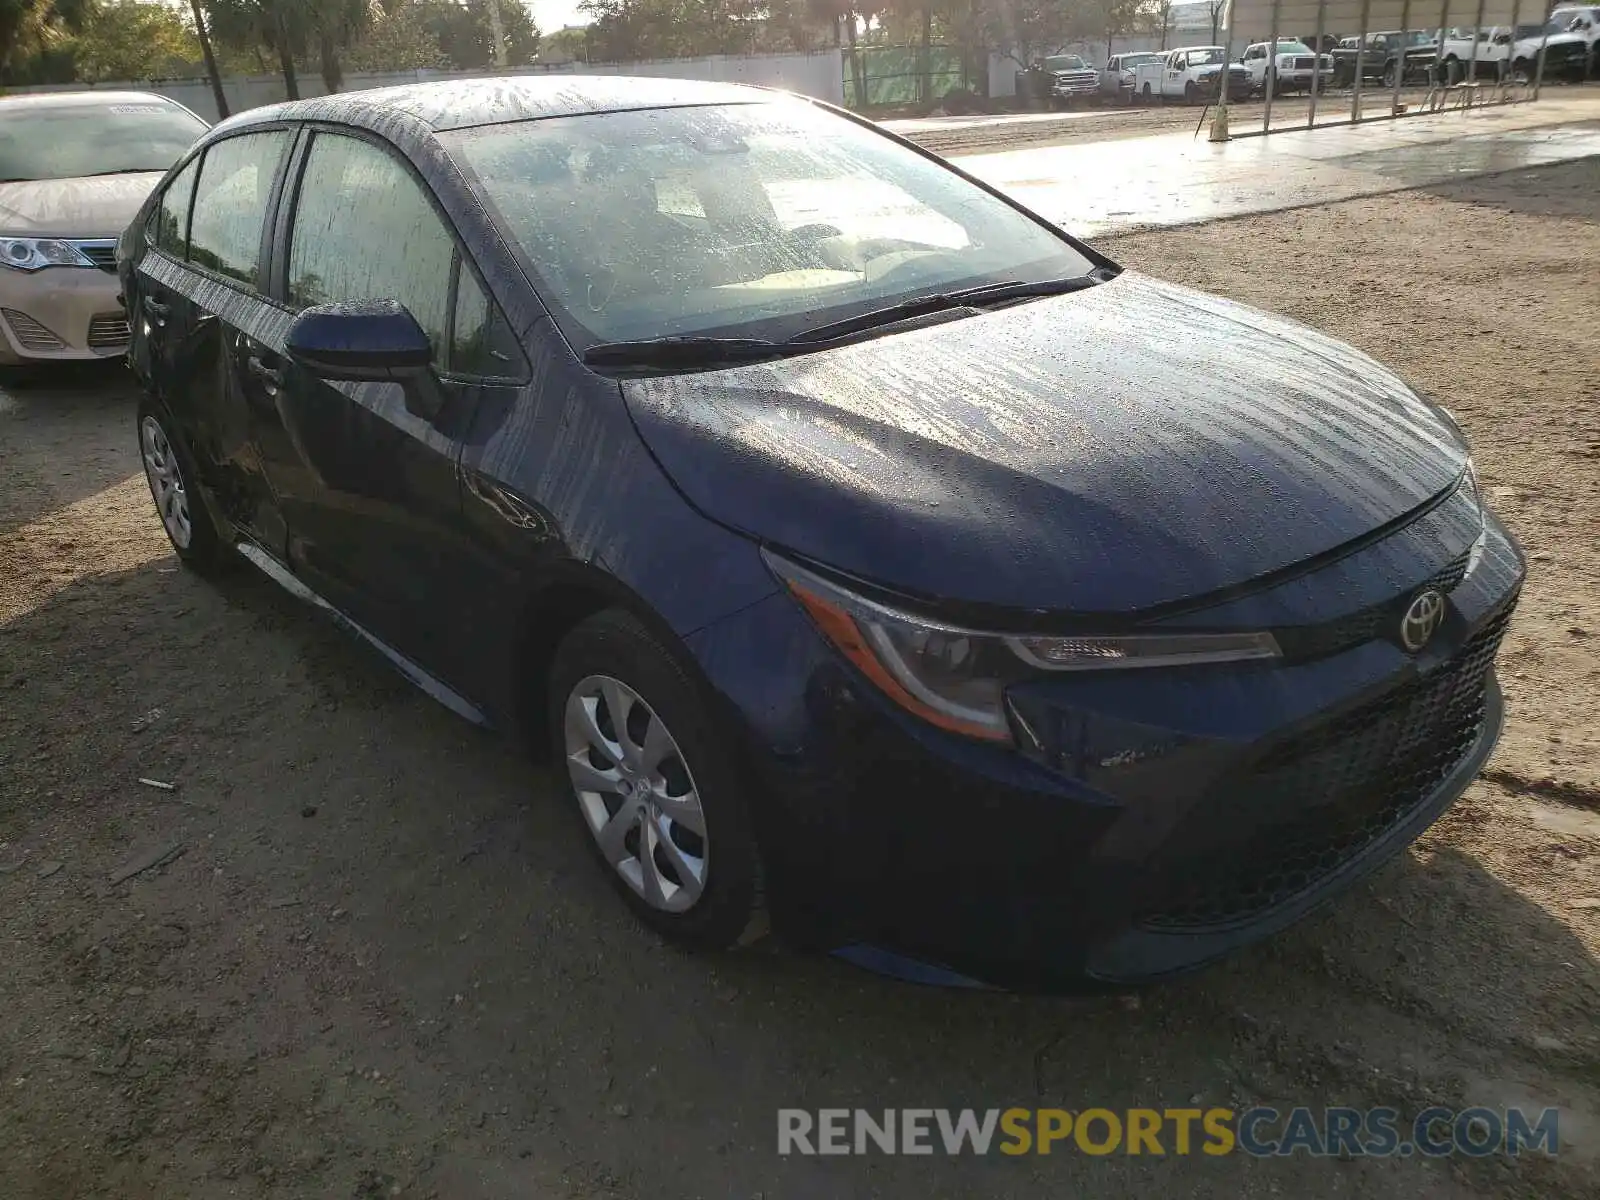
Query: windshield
x=1293 y=48
x=1064 y=62
x=762 y=219
x=80 y=139
x=1418 y=37
x=1200 y=58
x=1133 y=60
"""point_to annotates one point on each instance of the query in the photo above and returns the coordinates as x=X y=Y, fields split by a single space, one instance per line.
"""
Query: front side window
x=170 y=228
x=365 y=230
x=79 y=137
x=230 y=203
x=770 y=218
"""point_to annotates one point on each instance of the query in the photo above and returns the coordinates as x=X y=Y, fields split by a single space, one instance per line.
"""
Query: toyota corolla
x=876 y=562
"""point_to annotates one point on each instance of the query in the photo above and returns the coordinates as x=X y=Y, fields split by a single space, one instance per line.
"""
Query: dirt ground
x=374 y=961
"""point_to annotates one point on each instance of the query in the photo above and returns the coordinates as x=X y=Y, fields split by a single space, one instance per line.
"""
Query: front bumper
x=60 y=314
x=1075 y=90
x=1160 y=821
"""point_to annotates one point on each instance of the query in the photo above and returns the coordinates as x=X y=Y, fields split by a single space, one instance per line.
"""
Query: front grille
x=1348 y=782
x=109 y=331
x=1314 y=641
x=1305 y=64
x=101 y=254
x=29 y=333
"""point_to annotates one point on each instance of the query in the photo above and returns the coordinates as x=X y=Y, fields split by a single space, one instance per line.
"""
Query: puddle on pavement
x=1429 y=162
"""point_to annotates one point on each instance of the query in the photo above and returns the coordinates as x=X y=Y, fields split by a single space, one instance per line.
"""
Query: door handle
x=156 y=309
x=272 y=376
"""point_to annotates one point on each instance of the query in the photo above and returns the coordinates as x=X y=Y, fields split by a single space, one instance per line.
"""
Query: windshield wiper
x=989 y=293
x=123 y=171
x=680 y=352
x=19 y=179
x=693 y=351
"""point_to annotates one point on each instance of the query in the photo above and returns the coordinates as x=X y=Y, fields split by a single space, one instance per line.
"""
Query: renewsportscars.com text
x=1260 y=1132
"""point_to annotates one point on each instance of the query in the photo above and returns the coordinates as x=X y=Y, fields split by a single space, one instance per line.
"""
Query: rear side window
x=365 y=230
x=230 y=203
x=169 y=231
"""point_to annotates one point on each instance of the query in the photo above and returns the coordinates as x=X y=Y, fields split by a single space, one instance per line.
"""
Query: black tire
x=1191 y=93
x=205 y=551
x=729 y=910
x=1388 y=75
x=1149 y=97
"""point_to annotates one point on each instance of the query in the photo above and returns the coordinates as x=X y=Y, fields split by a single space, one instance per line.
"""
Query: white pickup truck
x=1567 y=37
x=1191 y=74
x=1291 y=69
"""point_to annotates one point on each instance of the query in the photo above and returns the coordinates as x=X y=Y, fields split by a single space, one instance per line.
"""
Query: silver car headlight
x=955 y=677
x=35 y=254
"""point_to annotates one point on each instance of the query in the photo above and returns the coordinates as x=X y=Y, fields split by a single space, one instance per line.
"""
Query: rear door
x=150 y=301
x=369 y=489
x=199 y=294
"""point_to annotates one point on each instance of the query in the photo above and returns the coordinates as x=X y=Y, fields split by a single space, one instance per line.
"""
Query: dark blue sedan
x=876 y=561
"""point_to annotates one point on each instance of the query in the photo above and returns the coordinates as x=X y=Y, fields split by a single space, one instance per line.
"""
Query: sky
x=551 y=15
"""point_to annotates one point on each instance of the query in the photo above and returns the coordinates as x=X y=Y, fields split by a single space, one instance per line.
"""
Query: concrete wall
x=820 y=75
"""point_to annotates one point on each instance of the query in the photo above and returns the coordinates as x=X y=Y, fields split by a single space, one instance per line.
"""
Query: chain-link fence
x=884 y=76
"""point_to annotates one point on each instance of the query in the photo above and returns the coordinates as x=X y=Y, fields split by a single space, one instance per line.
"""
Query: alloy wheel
x=636 y=793
x=166 y=482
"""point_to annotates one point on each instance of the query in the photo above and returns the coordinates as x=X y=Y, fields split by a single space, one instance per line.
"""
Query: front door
x=369 y=488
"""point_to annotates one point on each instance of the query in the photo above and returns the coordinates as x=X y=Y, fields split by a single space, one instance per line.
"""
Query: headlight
x=955 y=677
x=35 y=254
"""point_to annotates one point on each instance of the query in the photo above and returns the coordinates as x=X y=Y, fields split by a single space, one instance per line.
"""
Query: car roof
x=462 y=103
x=82 y=99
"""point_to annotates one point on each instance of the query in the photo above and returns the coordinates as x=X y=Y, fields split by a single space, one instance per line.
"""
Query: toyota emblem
x=1422 y=620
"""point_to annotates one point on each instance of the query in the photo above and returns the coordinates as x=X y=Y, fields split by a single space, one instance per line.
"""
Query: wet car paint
x=1106 y=452
x=900 y=845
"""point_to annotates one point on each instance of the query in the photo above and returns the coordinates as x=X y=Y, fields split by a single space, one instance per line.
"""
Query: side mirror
x=373 y=340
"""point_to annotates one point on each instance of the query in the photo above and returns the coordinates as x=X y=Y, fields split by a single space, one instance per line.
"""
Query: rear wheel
x=655 y=780
x=1146 y=94
x=169 y=470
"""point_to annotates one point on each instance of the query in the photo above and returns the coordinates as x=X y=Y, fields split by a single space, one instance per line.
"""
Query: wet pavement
x=1179 y=179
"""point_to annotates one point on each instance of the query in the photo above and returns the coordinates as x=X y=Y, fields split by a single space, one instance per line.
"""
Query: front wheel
x=1388 y=75
x=170 y=472
x=656 y=782
x=1191 y=93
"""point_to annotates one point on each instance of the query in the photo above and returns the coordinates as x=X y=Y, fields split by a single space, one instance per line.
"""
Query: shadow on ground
x=57 y=445
x=379 y=956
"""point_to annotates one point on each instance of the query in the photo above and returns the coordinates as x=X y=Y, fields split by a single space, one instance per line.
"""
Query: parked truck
x=1192 y=74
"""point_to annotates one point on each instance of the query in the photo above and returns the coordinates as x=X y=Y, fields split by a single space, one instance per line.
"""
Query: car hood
x=1105 y=451
x=1531 y=45
x=96 y=207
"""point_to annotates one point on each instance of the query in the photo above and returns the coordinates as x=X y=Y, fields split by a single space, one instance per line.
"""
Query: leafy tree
x=134 y=39
x=32 y=28
x=565 y=44
x=398 y=40
x=291 y=30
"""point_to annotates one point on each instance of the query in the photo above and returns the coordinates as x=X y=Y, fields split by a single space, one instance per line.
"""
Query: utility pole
x=498 y=29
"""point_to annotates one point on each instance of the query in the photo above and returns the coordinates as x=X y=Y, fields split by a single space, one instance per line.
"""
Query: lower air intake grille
x=108 y=331
x=29 y=333
x=1348 y=782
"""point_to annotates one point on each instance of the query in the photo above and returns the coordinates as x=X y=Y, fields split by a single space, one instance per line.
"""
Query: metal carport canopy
x=1347 y=17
